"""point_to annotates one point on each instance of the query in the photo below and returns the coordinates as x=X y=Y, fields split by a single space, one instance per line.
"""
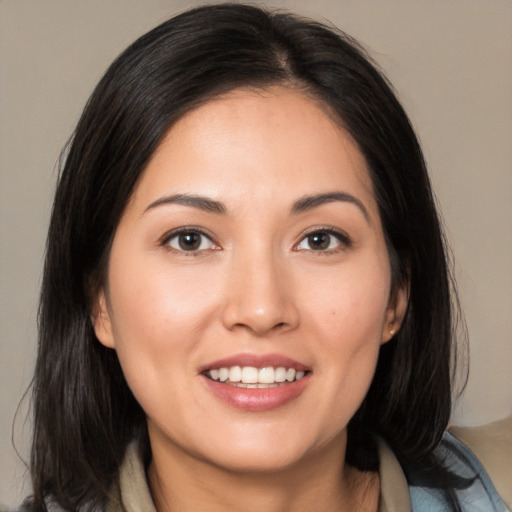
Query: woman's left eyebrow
x=309 y=202
x=301 y=205
x=200 y=202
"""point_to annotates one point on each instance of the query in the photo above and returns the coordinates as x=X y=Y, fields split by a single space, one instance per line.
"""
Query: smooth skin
x=251 y=268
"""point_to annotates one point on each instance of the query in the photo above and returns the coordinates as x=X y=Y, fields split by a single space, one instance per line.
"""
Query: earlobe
x=101 y=321
x=396 y=312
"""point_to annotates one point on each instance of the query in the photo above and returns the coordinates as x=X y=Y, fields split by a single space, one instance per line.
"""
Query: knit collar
x=136 y=496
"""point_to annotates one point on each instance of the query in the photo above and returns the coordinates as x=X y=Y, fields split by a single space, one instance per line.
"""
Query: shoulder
x=131 y=491
x=475 y=484
x=26 y=507
x=492 y=444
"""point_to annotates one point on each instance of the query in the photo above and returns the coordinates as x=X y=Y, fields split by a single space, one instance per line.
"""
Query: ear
x=395 y=313
x=101 y=321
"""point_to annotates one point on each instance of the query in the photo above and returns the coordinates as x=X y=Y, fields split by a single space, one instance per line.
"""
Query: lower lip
x=257 y=399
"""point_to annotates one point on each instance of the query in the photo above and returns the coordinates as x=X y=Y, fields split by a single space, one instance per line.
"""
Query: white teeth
x=280 y=374
x=290 y=375
x=251 y=377
x=266 y=375
x=235 y=374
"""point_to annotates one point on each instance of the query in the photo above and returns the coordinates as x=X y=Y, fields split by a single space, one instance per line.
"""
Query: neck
x=320 y=481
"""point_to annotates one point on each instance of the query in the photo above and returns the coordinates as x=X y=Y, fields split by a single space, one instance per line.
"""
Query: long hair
x=84 y=412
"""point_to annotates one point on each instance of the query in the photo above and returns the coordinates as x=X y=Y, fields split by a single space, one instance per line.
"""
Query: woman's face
x=252 y=251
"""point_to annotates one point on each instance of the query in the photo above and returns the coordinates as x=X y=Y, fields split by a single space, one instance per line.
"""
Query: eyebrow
x=200 y=202
x=301 y=205
x=309 y=202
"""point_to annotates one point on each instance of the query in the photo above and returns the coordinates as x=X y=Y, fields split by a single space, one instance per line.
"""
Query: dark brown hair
x=84 y=412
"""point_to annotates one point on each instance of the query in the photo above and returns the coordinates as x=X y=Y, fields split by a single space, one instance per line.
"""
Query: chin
x=261 y=461
x=271 y=453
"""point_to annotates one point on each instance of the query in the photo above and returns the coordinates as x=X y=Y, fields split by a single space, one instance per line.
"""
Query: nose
x=260 y=297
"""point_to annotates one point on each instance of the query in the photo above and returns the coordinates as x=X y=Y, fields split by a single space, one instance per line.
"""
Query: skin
x=256 y=285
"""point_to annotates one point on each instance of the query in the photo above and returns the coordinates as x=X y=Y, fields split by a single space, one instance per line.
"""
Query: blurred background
x=451 y=63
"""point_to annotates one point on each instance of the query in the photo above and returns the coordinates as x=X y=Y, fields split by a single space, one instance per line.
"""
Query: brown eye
x=190 y=241
x=323 y=240
x=319 y=241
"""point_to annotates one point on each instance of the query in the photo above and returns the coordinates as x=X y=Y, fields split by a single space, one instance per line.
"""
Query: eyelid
x=343 y=238
x=167 y=237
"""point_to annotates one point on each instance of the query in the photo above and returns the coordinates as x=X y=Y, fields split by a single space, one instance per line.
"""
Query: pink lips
x=256 y=399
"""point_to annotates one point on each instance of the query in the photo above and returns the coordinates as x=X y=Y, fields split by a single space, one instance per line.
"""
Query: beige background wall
x=451 y=62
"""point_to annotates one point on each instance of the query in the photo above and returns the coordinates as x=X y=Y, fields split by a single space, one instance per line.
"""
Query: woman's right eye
x=189 y=241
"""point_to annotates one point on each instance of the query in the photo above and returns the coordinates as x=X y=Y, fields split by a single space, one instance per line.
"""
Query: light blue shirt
x=480 y=496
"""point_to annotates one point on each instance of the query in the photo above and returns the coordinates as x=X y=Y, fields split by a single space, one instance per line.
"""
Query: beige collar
x=136 y=496
x=394 y=491
x=134 y=489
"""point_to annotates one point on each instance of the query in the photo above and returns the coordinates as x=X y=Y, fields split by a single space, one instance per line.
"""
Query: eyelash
x=342 y=238
x=187 y=230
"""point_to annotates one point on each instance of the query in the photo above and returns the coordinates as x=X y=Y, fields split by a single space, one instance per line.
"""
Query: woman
x=246 y=300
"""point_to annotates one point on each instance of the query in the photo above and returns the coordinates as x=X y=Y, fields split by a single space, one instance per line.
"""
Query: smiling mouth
x=255 y=378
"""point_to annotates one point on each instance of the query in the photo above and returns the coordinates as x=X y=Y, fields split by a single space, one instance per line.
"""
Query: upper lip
x=255 y=360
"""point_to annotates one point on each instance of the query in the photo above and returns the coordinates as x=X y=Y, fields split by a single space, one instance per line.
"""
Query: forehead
x=257 y=145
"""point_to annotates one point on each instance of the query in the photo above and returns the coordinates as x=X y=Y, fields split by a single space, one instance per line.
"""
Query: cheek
x=152 y=300
x=346 y=317
x=350 y=305
x=157 y=318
